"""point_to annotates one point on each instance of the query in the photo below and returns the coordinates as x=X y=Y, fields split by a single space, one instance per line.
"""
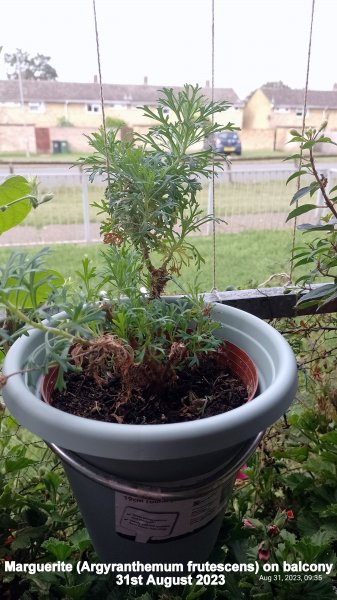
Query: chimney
x=146 y=80
x=95 y=79
x=207 y=83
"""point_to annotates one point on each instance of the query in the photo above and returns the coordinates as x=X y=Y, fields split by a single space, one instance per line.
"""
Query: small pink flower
x=290 y=514
x=263 y=553
x=273 y=530
x=241 y=475
x=248 y=524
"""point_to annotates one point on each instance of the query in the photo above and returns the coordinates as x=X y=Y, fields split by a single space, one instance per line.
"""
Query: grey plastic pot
x=199 y=457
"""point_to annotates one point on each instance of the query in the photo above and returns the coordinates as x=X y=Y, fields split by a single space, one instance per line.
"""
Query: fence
x=245 y=198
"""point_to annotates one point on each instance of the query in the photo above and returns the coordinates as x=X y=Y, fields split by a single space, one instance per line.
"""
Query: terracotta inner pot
x=236 y=359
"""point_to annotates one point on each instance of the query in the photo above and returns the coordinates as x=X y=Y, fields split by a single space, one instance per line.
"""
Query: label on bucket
x=147 y=519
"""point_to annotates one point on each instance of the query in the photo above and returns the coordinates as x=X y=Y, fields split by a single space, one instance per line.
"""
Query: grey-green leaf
x=300 y=210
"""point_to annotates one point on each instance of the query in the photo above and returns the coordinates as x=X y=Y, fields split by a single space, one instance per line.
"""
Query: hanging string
x=213 y=174
x=303 y=129
x=101 y=91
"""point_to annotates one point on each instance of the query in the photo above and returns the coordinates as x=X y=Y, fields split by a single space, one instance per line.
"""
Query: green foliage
x=123 y=311
x=152 y=182
x=64 y=122
x=17 y=197
x=25 y=283
x=30 y=67
x=114 y=122
x=150 y=208
x=319 y=254
x=285 y=506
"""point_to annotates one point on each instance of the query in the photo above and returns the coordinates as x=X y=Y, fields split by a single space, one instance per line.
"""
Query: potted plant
x=153 y=460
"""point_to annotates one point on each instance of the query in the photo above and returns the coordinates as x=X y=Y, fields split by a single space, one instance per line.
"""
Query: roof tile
x=57 y=91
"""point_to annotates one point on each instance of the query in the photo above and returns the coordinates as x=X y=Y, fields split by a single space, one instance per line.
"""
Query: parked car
x=227 y=142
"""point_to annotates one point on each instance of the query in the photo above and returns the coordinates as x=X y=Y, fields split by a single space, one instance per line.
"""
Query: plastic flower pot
x=157 y=492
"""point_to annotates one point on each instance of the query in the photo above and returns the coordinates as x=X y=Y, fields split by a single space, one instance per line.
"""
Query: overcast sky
x=169 y=41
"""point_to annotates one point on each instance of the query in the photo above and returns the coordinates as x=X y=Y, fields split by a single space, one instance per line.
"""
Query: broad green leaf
x=309 y=144
x=16 y=464
x=300 y=210
x=12 y=189
x=60 y=550
x=333 y=189
x=80 y=539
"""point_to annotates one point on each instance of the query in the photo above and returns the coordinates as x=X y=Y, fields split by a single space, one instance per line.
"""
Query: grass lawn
x=243 y=260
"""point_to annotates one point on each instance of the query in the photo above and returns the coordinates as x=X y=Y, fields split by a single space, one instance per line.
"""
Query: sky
x=169 y=41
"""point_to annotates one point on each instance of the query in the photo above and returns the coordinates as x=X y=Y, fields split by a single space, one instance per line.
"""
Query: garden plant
x=150 y=209
x=284 y=502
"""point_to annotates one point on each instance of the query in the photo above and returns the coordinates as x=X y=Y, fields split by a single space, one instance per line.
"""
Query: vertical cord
x=303 y=128
x=213 y=175
x=101 y=91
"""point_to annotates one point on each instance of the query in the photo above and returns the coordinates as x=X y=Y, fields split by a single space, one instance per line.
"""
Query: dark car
x=227 y=142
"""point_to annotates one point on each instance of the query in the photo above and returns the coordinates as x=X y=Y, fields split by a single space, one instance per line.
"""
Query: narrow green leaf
x=303 y=261
x=300 y=210
x=318 y=293
x=330 y=437
x=324 y=139
x=300 y=193
x=308 y=227
x=292 y=157
x=43 y=281
x=296 y=174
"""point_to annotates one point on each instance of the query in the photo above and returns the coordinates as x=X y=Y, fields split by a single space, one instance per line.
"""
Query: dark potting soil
x=197 y=394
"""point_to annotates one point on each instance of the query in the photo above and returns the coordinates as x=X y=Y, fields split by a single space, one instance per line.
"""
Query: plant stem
x=38 y=325
x=322 y=187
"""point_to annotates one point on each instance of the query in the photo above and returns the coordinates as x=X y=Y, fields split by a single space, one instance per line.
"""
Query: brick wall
x=17 y=138
x=75 y=136
x=257 y=139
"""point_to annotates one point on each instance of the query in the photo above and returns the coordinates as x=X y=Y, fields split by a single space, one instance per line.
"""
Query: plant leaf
x=309 y=227
x=296 y=174
x=14 y=188
x=300 y=210
x=300 y=193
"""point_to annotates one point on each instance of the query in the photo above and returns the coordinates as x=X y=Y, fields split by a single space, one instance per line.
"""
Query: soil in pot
x=221 y=382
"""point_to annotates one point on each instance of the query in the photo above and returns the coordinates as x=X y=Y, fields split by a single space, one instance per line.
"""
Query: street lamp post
x=22 y=102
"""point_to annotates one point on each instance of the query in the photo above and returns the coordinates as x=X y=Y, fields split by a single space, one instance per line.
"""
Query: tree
x=276 y=85
x=31 y=67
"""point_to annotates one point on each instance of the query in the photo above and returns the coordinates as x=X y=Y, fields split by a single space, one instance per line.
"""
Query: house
x=278 y=106
x=74 y=107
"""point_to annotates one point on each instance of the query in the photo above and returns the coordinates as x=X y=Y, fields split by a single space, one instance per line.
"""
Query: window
x=37 y=107
x=11 y=104
x=94 y=108
x=299 y=112
x=281 y=109
x=118 y=106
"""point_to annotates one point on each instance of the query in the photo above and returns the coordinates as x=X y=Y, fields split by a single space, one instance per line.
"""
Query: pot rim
x=141 y=442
